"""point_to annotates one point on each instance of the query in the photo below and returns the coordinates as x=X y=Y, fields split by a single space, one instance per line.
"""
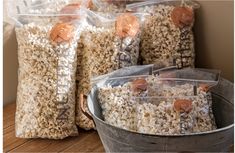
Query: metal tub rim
x=157 y=135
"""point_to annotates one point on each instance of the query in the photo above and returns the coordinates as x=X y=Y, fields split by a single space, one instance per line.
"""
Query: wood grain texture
x=87 y=141
x=9 y=115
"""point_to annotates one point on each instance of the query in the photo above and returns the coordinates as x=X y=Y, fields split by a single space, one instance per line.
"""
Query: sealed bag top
x=109 y=43
x=167 y=37
x=165 y=104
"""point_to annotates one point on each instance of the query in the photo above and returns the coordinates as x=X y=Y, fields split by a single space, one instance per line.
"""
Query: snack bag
x=155 y=104
x=167 y=38
x=106 y=45
x=47 y=54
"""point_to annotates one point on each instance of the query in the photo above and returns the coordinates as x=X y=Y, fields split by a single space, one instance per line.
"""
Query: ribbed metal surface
x=118 y=140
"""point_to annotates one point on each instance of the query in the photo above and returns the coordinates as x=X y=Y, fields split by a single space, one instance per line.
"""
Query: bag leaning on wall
x=167 y=38
x=47 y=55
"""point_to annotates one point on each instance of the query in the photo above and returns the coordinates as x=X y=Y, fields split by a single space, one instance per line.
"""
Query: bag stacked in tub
x=169 y=103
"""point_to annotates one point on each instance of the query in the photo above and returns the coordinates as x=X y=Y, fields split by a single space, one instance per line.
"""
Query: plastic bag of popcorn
x=156 y=104
x=106 y=45
x=173 y=106
x=167 y=38
x=47 y=55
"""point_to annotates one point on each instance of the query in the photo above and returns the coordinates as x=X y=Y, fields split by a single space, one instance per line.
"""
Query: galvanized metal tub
x=119 y=140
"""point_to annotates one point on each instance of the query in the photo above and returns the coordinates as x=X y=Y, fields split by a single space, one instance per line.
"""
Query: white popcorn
x=46 y=87
x=155 y=113
x=162 y=43
x=100 y=51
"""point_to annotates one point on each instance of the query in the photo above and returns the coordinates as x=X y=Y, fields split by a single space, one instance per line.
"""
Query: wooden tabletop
x=87 y=141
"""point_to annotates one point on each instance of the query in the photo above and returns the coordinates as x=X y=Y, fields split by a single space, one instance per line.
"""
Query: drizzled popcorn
x=157 y=107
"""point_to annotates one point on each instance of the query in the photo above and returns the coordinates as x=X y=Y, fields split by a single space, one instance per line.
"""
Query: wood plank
x=9 y=123
x=33 y=144
x=12 y=115
x=99 y=149
x=47 y=145
x=87 y=141
x=9 y=115
x=9 y=111
x=10 y=141
x=66 y=143
x=9 y=129
x=91 y=143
